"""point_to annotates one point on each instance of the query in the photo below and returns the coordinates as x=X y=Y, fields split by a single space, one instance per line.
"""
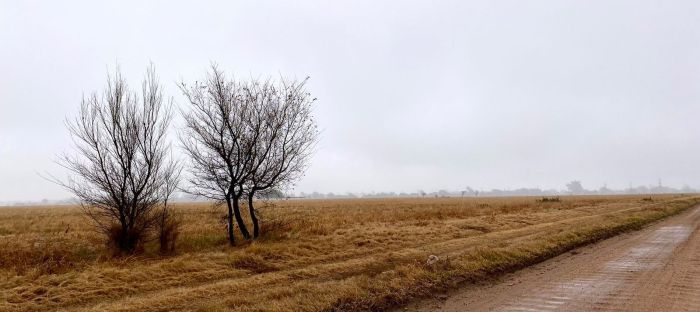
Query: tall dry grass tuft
x=253 y=263
x=168 y=232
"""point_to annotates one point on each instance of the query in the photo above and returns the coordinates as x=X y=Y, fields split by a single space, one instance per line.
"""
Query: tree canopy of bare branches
x=288 y=134
x=243 y=137
x=123 y=172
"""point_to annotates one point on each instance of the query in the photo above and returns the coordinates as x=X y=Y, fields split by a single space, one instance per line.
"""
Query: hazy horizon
x=411 y=95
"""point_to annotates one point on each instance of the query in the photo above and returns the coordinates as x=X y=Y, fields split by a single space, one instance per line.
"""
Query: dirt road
x=656 y=269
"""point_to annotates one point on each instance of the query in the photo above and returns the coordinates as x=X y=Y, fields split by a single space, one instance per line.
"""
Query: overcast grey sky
x=412 y=94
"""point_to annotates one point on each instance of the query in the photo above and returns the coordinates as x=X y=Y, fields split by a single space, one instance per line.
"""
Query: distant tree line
x=571 y=189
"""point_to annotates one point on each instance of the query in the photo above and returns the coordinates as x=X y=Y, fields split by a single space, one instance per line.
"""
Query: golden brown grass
x=315 y=255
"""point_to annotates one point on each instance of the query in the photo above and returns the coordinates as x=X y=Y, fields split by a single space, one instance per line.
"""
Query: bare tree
x=244 y=137
x=286 y=139
x=217 y=139
x=123 y=173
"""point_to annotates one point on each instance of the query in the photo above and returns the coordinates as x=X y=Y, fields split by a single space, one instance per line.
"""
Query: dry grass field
x=315 y=255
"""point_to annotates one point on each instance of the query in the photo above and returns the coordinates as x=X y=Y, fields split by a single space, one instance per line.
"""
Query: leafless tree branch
x=245 y=136
x=123 y=173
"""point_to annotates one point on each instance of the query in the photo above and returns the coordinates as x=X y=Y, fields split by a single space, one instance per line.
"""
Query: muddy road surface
x=655 y=269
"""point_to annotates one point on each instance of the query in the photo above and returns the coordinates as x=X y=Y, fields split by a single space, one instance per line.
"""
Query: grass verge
x=482 y=263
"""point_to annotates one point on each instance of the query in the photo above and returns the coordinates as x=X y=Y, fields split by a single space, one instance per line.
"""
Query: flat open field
x=363 y=254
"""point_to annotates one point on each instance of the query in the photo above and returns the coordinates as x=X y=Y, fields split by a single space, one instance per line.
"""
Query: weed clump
x=169 y=231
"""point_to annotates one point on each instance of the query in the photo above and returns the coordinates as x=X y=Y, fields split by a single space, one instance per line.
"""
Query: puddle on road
x=597 y=288
x=653 y=253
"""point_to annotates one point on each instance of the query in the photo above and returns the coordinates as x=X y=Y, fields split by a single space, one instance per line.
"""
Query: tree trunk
x=229 y=219
x=124 y=239
x=239 y=219
x=256 y=227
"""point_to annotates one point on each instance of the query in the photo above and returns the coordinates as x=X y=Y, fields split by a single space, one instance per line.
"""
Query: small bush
x=168 y=233
x=121 y=241
x=549 y=200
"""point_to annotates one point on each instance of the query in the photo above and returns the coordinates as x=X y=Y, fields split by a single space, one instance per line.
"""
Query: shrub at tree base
x=125 y=241
x=169 y=232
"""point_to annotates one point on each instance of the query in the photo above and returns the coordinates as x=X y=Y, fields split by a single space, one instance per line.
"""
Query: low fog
x=412 y=95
